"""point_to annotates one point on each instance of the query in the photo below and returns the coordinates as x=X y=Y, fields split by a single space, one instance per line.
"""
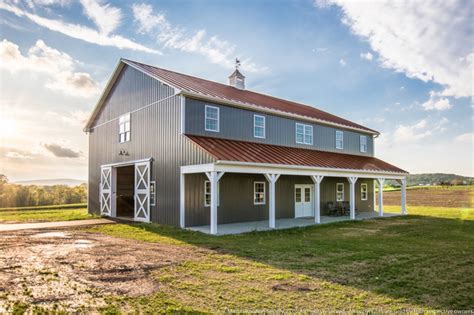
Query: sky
x=404 y=68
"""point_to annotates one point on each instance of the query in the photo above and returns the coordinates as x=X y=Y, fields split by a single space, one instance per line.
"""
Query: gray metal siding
x=237 y=124
x=236 y=197
x=155 y=133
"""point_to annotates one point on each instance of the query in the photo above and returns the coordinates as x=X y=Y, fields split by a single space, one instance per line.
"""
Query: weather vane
x=237 y=63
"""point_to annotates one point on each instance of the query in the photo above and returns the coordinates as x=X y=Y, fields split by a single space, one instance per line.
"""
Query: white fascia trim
x=258 y=168
x=198 y=168
x=261 y=109
x=105 y=92
x=127 y=162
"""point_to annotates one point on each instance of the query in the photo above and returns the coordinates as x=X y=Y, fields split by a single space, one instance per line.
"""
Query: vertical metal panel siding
x=154 y=133
x=236 y=197
x=237 y=124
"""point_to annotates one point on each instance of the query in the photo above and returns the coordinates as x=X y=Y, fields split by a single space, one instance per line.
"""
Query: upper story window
x=304 y=133
x=124 y=128
x=339 y=139
x=363 y=143
x=211 y=118
x=259 y=126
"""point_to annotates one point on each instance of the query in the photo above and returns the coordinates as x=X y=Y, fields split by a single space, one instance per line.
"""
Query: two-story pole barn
x=170 y=148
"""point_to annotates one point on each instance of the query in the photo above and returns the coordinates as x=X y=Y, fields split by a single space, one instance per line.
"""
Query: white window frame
x=255 y=193
x=337 y=192
x=362 y=191
x=341 y=141
x=206 y=182
x=210 y=118
x=127 y=134
x=306 y=128
x=152 y=193
x=255 y=126
x=363 y=146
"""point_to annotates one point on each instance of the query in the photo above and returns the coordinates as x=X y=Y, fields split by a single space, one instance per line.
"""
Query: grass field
x=43 y=215
x=421 y=261
x=435 y=196
x=52 y=207
x=418 y=261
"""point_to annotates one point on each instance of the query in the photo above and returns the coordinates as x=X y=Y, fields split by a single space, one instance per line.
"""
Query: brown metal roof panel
x=243 y=151
x=226 y=92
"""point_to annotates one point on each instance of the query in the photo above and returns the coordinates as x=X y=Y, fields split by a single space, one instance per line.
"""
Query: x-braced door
x=106 y=190
x=142 y=191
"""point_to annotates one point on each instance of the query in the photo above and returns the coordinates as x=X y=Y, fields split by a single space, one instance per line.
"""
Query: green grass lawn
x=25 y=216
x=423 y=260
x=52 y=207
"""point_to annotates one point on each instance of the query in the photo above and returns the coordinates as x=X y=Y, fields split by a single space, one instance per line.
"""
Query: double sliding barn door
x=141 y=191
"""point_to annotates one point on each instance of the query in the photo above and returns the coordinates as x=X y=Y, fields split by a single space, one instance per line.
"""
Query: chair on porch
x=345 y=208
x=333 y=210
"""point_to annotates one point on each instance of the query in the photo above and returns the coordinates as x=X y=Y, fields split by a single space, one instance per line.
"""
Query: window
x=339 y=139
x=211 y=118
x=304 y=134
x=363 y=192
x=152 y=193
x=259 y=193
x=259 y=126
x=363 y=143
x=124 y=128
x=207 y=194
x=339 y=192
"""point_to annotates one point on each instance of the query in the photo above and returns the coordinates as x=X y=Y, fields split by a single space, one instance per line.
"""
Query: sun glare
x=8 y=127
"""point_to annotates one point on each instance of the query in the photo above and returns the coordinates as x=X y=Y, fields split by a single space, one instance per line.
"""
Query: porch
x=277 y=191
x=280 y=224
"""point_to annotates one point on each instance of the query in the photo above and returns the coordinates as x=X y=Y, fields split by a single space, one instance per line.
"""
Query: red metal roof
x=212 y=89
x=243 y=151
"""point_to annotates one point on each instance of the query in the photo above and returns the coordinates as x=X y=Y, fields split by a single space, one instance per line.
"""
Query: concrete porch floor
x=243 y=227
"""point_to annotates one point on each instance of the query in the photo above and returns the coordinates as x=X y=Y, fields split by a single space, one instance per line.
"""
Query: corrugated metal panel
x=237 y=124
x=226 y=92
x=236 y=197
x=242 y=151
x=154 y=133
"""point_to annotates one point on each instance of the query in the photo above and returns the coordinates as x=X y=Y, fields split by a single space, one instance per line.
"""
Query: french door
x=303 y=201
x=142 y=191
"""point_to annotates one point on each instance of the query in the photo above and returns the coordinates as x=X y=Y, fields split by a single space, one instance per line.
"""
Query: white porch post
x=271 y=178
x=214 y=180
x=380 y=181
x=404 y=195
x=317 y=179
x=181 y=201
x=352 y=181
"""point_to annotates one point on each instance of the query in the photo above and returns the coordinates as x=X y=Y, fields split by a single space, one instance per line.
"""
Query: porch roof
x=251 y=152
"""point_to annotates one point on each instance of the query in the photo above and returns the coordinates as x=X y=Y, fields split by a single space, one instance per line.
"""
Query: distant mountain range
x=436 y=179
x=52 y=182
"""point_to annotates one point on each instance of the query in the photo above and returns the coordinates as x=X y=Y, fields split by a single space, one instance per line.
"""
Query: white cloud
x=216 y=50
x=467 y=138
x=106 y=17
x=59 y=67
x=436 y=102
x=418 y=131
x=342 y=62
x=402 y=88
x=79 y=31
x=366 y=56
x=430 y=41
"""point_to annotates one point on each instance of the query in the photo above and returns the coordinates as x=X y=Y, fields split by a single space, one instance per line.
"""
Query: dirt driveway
x=77 y=270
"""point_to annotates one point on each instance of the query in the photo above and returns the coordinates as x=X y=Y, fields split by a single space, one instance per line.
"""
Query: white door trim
x=142 y=192
x=105 y=194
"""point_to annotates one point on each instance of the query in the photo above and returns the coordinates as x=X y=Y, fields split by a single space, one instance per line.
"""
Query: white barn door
x=142 y=191
x=106 y=190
